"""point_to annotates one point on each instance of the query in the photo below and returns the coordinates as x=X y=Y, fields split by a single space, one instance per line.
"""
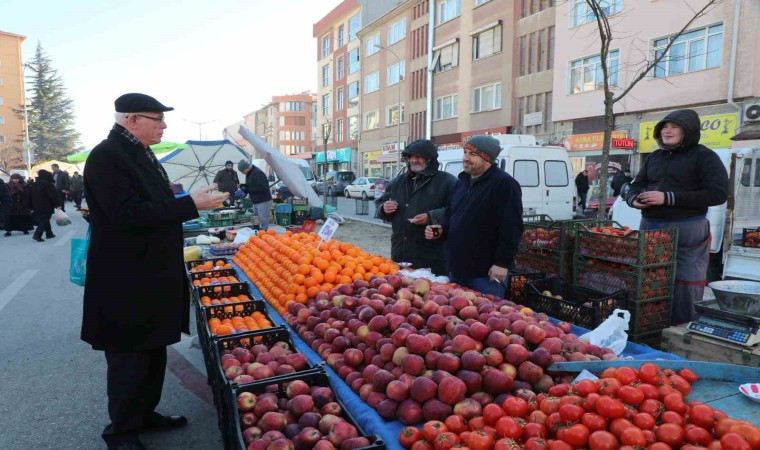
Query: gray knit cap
x=487 y=147
x=243 y=164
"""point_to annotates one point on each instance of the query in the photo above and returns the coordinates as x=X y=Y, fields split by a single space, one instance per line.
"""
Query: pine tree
x=50 y=111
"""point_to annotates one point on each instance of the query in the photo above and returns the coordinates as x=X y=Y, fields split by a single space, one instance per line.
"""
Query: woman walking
x=44 y=200
x=19 y=217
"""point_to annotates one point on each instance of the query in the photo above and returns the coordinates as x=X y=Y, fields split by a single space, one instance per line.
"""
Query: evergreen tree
x=50 y=111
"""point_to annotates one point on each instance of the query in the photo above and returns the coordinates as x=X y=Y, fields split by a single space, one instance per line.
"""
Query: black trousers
x=43 y=225
x=76 y=197
x=62 y=195
x=135 y=382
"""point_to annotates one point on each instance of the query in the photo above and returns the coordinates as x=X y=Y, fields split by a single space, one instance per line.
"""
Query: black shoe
x=7 y=233
x=50 y=236
x=38 y=239
x=134 y=445
x=159 y=422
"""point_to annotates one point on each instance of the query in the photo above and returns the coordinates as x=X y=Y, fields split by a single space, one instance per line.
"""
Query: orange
x=312 y=291
x=223 y=330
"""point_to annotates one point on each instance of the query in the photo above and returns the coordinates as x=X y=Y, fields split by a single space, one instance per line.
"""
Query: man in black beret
x=136 y=292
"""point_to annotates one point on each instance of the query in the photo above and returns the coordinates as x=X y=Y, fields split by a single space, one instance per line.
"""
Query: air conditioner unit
x=751 y=113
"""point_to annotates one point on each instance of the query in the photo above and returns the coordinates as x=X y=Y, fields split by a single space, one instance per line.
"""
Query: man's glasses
x=155 y=119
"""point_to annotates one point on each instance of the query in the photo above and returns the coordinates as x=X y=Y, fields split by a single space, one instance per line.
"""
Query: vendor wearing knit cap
x=257 y=187
x=227 y=179
x=414 y=199
x=483 y=224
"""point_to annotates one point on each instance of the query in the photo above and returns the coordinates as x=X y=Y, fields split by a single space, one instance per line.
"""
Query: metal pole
x=27 y=145
x=398 y=105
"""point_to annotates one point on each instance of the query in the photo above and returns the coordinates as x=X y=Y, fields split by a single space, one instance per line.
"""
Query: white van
x=544 y=173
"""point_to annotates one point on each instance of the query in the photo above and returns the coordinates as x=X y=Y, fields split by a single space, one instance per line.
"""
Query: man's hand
x=433 y=232
x=420 y=219
x=651 y=198
x=496 y=273
x=206 y=198
x=390 y=207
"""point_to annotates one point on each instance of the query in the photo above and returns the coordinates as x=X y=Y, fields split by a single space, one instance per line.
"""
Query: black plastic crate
x=557 y=235
x=652 y=339
x=536 y=218
x=648 y=316
x=517 y=281
x=634 y=247
x=751 y=237
x=216 y=292
x=362 y=207
x=580 y=306
x=213 y=274
x=298 y=201
x=555 y=262
x=197 y=262
x=228 y=312
x=277 y=386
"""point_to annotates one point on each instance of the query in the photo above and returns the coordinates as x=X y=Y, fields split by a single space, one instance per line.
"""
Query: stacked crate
x=643 y=263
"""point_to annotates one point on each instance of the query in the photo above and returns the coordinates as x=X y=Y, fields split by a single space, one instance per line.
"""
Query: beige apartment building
x=11 y=97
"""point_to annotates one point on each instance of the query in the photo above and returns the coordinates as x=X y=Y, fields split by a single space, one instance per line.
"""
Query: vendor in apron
x=674 y=188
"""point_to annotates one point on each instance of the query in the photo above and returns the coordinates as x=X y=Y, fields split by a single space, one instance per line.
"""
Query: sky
x=212 y=60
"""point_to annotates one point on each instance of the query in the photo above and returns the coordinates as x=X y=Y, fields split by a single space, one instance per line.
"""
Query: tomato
x=408 y=436
x=549 y=405
x=491 y=430
x=602 y=440
x=608 y=373
x=506 y=444
x=720 y=415
x=626 y=375
x=515 y=407
x=554 y=422
x=571 y=413
x=455 y=423
x=688 y=375
x=630 y=395
x=649 y=373
x=723 y=425
x=649 y=435
x=537 y=417
x=476 y=423
x=533 y=430
x=633 y=436
x=559 y=390
x=432 y=428
x=649 y=391
x=571 y=400
x=670 y=434
x=680 y=385
x=594 y=422
x=674 y=402
x=479 y=440
x=609 y=386
x=585 y=387
x=507 y=427
x=750 y=433
x=697 y=435
x=422 y=445
x=692 y=447
x=609 y=407
x=732 y=441
x=576 y=435
x=672 y=417
x=659 y=446
x=714 y=445
x=445 y=441
x=618 y=425
x=665 y=390
x=492 y=413
x=559 y=445
x=645 y=421
x=465 y=435
x=702 y=415
x=589 y=404
x=652 y=407
x=536 y=443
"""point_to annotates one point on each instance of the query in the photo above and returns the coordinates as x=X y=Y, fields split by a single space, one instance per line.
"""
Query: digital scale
x=725 y=325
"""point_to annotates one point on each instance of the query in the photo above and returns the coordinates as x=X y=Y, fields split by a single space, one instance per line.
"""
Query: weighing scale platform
x=726 y=325
x=698 y=347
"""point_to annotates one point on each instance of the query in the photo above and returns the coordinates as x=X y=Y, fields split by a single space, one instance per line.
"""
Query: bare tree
x=597 y=8
x=10 y=157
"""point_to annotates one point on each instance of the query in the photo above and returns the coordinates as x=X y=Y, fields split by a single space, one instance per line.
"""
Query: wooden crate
x=698 y=347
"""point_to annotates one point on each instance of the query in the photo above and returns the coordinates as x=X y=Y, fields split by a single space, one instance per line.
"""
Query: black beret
x=133 y=103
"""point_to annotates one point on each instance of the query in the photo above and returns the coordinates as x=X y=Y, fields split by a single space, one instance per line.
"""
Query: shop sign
x=390 y=149
x=625 y=143
x=716 y=132
x=336 y=155
x=536 y=118
x=371 y=157
x=591 y=141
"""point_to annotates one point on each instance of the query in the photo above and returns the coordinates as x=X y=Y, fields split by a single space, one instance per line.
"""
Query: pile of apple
x=416 y=350
x=242 y=365
x=303 y=418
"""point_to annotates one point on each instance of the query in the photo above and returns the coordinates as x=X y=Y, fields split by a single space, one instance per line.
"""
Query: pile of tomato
x=625 y=409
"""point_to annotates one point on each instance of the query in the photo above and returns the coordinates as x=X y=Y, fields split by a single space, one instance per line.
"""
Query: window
x=526 y=173
x=586 y=74
x=372 y=82
x=371 y=45
x=325 y=75
x=396 y=73
x=446 y=107
x=550 y=50
x=583 y=14
x=446 y=58
x=556 y=173
x=449 y=9
x=746 y=175
x=340 y=72
x=353 y=91
x=397 y=31
x=339 y=130
x=480 y=2
x=541 y=51
x=326 y=105
x=354 y=23
x=341 y=36
x=353 y=127
x=292 y=135
x=391 y=115
x=695 y=50
x=325 y=46
x=486 y=43
x=522 y=50
x=2 y=139
x=291 y=106
x=340 y=100
x=294 y=120
x=370 y=121
x=486 y=98
x=2 y=120
x=353 y=61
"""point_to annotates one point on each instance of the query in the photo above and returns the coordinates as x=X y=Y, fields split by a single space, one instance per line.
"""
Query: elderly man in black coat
x=136 y=297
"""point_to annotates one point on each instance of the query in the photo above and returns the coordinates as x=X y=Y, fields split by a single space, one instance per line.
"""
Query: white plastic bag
x=61 y=218
x=612 y=332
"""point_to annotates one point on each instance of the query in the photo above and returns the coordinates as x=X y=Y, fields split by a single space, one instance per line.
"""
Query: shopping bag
x=61 y=218
x=612 y=332
x=78 y=267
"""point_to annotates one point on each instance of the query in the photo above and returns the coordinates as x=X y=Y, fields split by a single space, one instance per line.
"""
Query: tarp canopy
x=65 y=166
x=162 y=147
x=196 y=165
x=286 y=170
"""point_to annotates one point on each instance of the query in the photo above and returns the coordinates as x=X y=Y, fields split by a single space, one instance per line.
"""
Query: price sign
x=328 y=229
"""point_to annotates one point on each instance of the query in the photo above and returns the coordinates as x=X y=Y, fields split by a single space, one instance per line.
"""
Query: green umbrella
x=160 y=148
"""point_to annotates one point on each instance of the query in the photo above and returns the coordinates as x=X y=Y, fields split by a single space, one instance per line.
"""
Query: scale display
x=726 y=330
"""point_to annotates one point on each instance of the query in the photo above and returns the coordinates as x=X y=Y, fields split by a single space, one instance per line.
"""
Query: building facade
x=11 y=97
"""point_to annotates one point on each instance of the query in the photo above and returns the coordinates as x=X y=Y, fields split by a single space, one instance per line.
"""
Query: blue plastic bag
x=78 y=267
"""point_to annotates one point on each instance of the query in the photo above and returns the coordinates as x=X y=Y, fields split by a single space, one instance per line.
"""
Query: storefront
x=382 y=163
x=717 y=130
x=585 y=151
x=337 y=159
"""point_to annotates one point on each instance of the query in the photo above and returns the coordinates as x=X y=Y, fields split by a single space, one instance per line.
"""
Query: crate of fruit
x=205 y=265
x=648 y=316
x=556 y=235
x=623 y=245
x=222 y=295
x=517 y=281
x=643 y=283
x=577 y=305
x=751 y=237
x=267 y=406
x=224 y=320
x=213 y=277
x=559 y=263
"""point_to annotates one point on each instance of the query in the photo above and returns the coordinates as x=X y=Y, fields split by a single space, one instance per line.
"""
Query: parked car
x=363 y=187
x=335 y=182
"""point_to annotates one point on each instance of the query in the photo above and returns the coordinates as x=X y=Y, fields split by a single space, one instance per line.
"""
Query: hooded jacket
x=425 y=192
x=691 y=176
x=44 y=196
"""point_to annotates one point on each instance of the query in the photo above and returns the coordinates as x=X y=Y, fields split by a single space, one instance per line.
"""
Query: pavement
x=347 y=208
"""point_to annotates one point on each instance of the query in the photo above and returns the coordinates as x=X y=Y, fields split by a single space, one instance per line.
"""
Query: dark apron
x=691 y=265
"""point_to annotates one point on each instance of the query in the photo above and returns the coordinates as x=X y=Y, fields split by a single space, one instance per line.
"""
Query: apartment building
x=713 y=68
x=11 y=97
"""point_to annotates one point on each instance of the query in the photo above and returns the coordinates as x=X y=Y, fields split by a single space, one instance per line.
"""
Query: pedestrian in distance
x=5 y=202
x=582 y=186
x=413 y=200
x=77 y=186
x=62 y=184
x=619 y=180
x=19 y=216
x=44 y=200
x=136 y=291
x=257 y=187
x=228 y=180
x=482 y=225
x=674 y=188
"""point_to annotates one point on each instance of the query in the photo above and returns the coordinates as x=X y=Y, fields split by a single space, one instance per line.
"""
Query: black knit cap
x=134 y=103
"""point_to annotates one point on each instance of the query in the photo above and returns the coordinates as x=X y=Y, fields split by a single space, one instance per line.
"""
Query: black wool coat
x=136 y=294
x=44 y=197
